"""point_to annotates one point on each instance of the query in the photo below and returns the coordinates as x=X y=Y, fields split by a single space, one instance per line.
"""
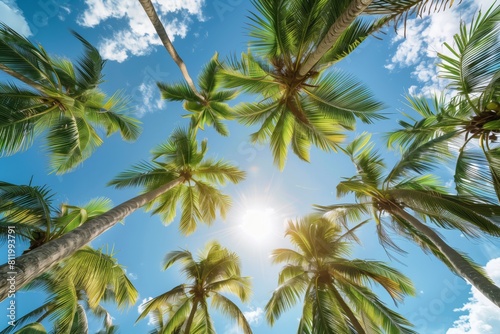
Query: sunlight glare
x=258 y=223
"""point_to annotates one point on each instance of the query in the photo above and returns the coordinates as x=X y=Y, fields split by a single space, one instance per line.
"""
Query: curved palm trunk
x=160 y=30
x=347 y=310
x=461 y=266
x=39 y=260
x=189 y=321
x=354 y=10
x=22 y=78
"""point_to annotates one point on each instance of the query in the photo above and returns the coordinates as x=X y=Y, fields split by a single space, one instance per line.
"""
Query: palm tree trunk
x=347 y=310
x=460 y=265
x=160 y=30
x=39 y=260
x=189 y=321
x=22 y=78
x=354 y=10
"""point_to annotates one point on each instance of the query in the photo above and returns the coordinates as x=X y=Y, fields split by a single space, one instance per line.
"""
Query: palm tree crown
x=470 y=121
x=181 y=158
x=210 y=109
x=58 y=98
x=216 y=271
x=334 y=288
x=79 y=284
x=297 y=110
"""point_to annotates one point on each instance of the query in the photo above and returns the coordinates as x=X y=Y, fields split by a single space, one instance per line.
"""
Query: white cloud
x=132 y=276
x=11 y=15
x=425 y=37
x=482 y=317
x=149 y=98
x=140 y=308
x=139 y=37
x=254 y=317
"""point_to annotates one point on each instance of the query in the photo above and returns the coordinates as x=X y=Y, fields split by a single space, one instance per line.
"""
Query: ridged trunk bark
x=461 y=266
x=160 y=30
x=341 y=24
x=41 y=259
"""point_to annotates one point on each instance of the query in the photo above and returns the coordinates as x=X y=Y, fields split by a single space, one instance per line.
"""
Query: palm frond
x=476 y=58
x=227 y=307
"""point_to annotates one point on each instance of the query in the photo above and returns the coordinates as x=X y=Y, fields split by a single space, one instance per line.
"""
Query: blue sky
x=391 y=67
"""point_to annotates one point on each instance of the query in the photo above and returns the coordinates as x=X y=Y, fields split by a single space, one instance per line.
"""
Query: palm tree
x=80 y=284
x=334 y=288
x=213 y=107
x=297 y=110
x=217 y=270
x=470 y=121
x=58 y=98
x=183 y=175
x=406 y=202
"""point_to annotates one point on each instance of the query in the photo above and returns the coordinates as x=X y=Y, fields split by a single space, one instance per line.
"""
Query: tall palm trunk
x=36 y=262
x=341 y=24
x=189 y=321
x=460 y=265
x=347 y=310
x=160 y=30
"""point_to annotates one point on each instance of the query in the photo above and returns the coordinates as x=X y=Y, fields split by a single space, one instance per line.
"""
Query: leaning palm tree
x=58 y=98
x=178 y=172
x=217 y=270
x=336 y=298
x=213 y=107
x=470 y=122
x=406 y=203
x=76 y=286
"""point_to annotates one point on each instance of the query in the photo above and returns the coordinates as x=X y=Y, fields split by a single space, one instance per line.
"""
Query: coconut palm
x=470 y=121
x=178 y=172
x=216 y=271
x=30 y=211
x=213 y=107
x=336 y=298
x=297 y=110
x=58 y=98
x=406 y=203
x=76 y=286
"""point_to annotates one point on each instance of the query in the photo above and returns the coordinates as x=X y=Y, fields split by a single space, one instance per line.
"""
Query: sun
x=258 y=224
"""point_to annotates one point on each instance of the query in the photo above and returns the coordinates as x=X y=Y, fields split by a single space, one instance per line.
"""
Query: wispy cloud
x=425 y=37
x=139 y=37
x=11 y=15
x=482 y=316
x=151 y=99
